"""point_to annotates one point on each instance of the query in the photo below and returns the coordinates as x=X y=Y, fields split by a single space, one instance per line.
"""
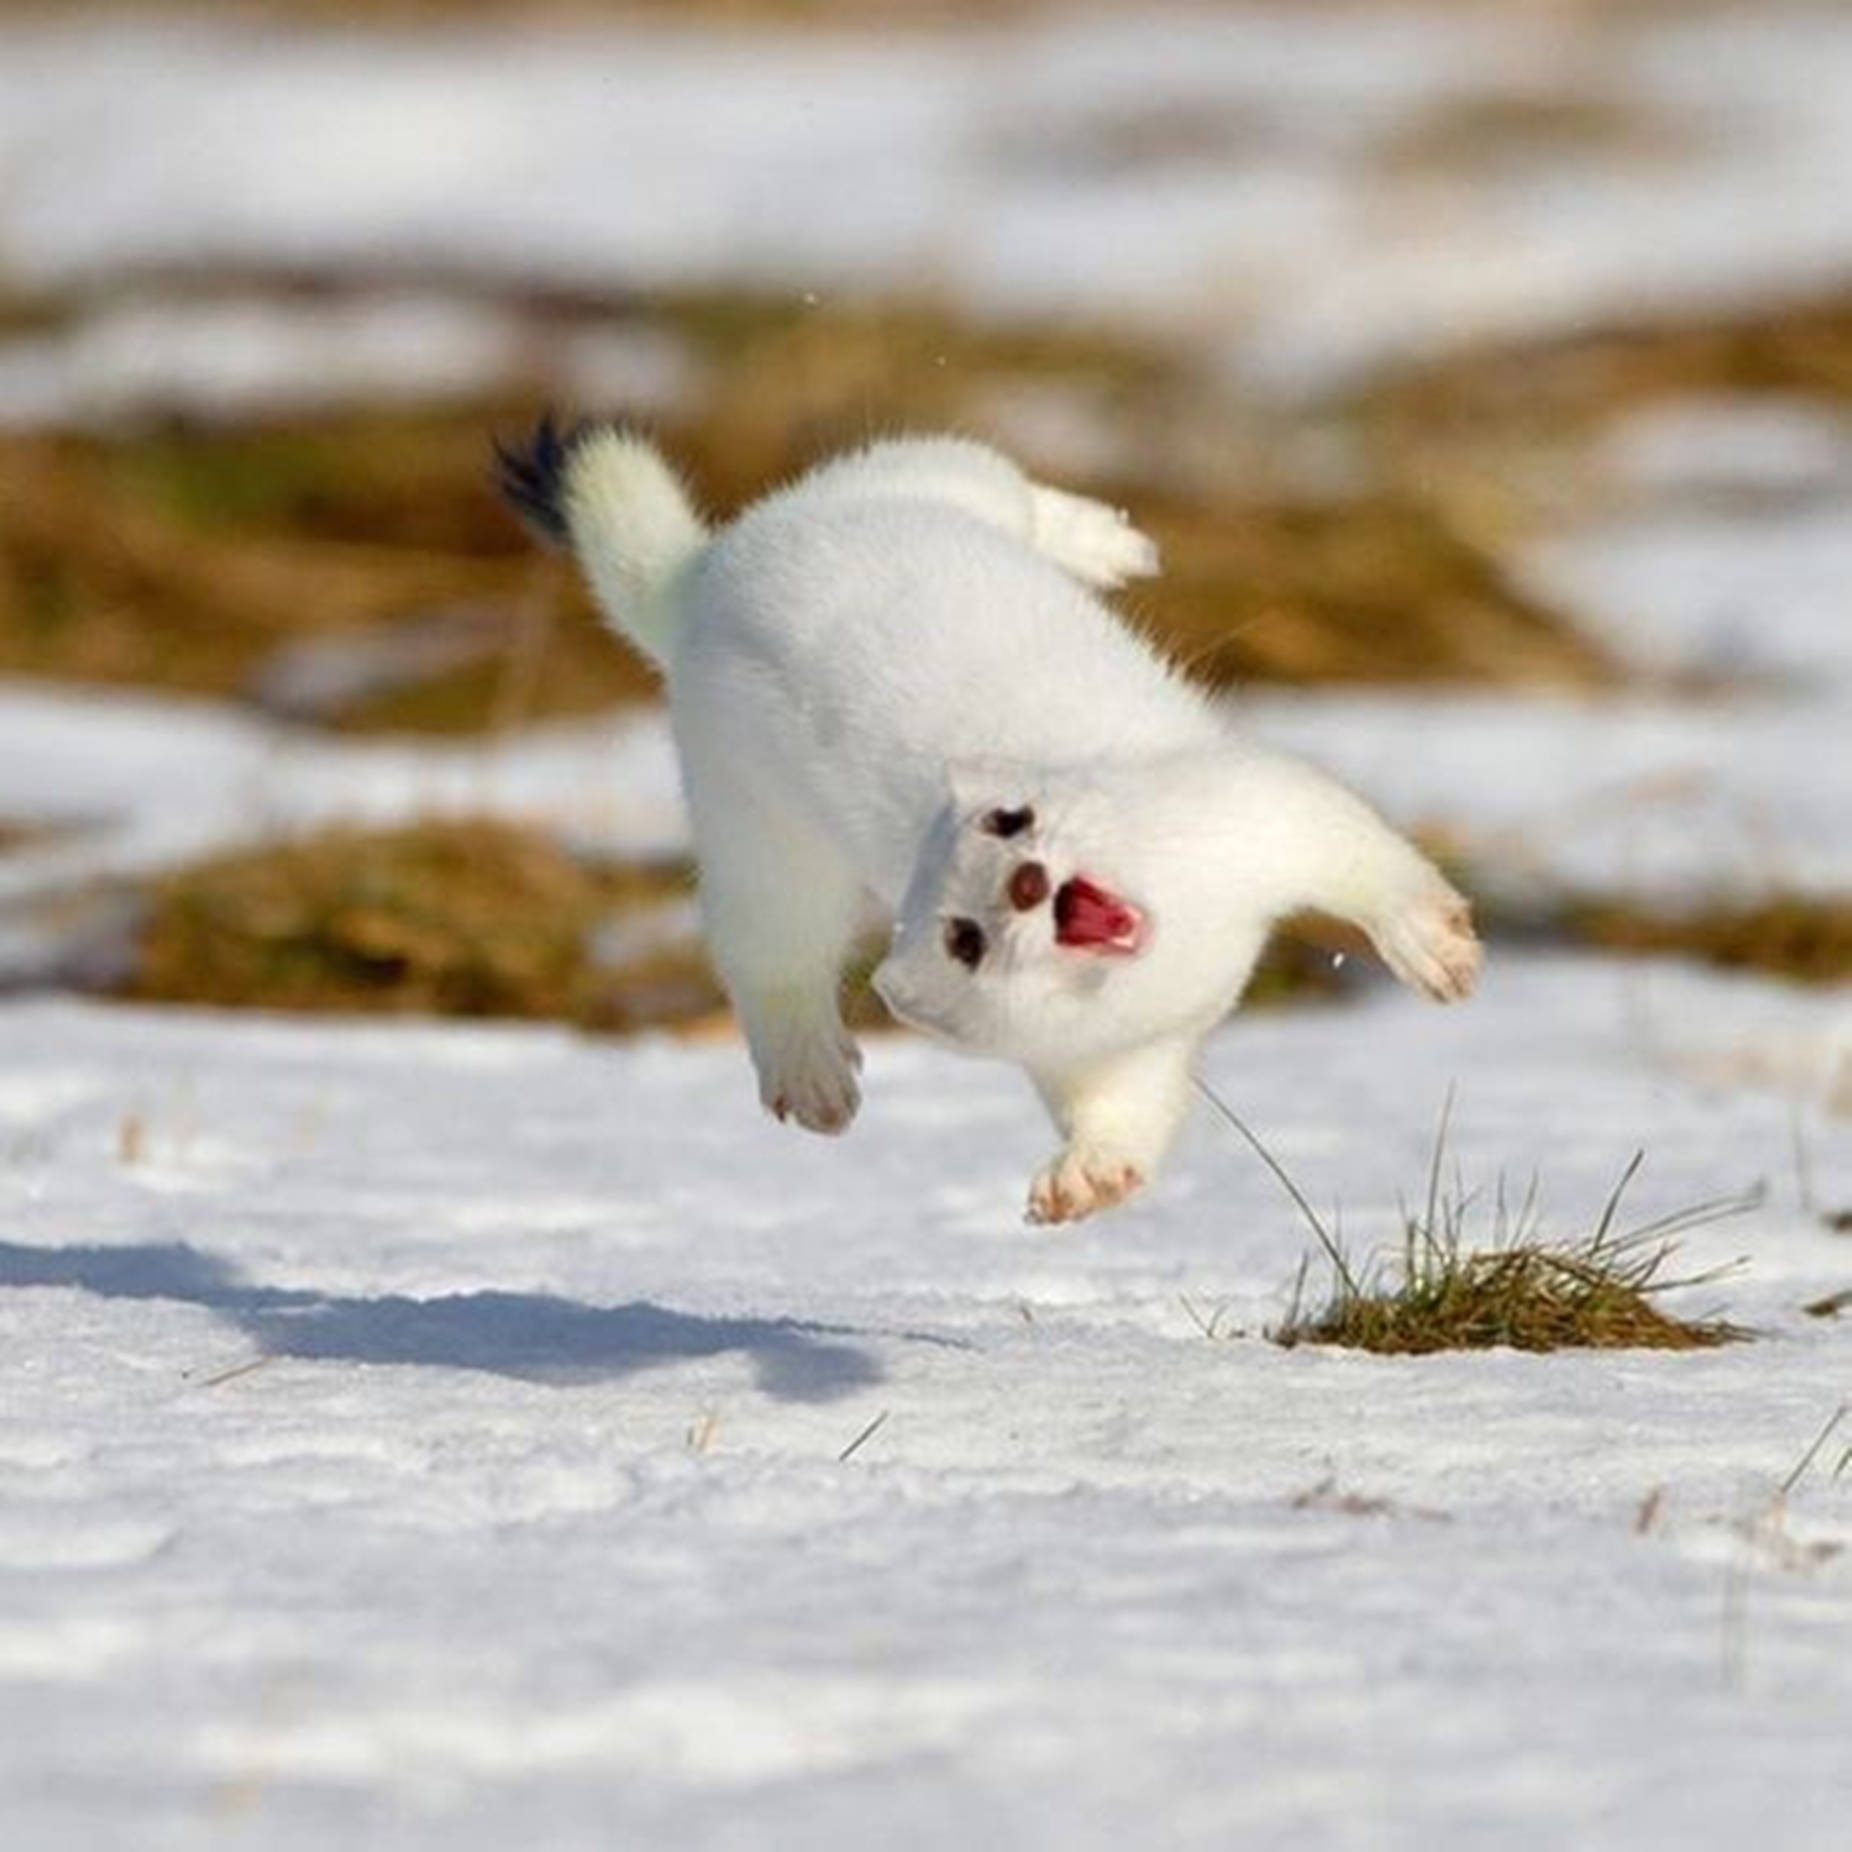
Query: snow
x=142 y=781
x=1719 y=554
x=233 y=357
x=435 y=1435
x=1734 y=595
x=1664 y=799
x=1229 y=162
x=1723 y=446
x=422 y=1435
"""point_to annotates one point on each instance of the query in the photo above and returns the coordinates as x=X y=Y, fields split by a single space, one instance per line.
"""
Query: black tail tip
x=531 y=476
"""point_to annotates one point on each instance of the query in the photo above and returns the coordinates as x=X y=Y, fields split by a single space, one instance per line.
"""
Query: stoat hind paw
x=1431 y=946
x=812 y=1080
x=1079 y=1182
x=1097 y=544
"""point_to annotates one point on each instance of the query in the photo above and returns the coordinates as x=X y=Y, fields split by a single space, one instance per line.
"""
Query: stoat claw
x=1431 y=946
x=813 y=1080
x=1080 y=1182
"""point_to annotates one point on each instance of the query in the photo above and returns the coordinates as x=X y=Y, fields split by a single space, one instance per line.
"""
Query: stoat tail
x=612 y=499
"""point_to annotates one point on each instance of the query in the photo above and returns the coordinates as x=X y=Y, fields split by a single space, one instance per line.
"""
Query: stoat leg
x=1356 y=869
x=1118 y=1115
x=1425 y=935
x=1097 y=544
x=781 y=909
x=806 y=1060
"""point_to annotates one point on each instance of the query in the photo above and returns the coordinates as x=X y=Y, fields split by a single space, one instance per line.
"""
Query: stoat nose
x=1028 y=886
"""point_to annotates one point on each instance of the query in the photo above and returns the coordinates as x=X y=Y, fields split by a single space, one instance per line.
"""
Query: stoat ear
x=979 y=786
x=1092 y=918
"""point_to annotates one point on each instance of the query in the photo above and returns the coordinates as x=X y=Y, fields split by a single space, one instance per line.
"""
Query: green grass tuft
x=1518 y=1290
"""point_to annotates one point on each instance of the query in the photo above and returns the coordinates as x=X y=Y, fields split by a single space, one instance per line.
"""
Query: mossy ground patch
x=459 y=917
x=1515 y=1288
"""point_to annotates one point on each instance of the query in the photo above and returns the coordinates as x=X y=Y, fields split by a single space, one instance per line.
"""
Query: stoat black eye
x=1009 y=822
x=964 y=940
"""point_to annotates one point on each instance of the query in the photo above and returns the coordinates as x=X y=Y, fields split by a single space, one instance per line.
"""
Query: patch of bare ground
x=1806 y=938
x=1457 y=134
x=1379 y=587
x=182 y=554
x=183 y=558
x=457 y=917
x=1795 y=348
x=20 y=833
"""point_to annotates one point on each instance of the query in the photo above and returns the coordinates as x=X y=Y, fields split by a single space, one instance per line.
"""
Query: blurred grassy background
x=348 y=568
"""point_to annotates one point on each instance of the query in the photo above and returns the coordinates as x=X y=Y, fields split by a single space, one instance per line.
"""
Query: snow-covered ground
x=436 y=1436
x=481 y=1437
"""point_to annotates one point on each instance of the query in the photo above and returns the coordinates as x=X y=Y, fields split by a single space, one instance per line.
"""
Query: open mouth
x=1089 y=917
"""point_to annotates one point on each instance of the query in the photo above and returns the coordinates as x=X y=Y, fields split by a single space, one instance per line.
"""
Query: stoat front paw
x=1429 y=943
x=811 y=1078
x=1080 y=1181
x=1097 y=544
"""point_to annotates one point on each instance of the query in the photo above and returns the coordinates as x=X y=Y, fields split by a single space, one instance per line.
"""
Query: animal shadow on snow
x=535 y=1336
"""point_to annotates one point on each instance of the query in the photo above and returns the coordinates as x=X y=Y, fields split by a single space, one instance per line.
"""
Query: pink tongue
x=1087 y=915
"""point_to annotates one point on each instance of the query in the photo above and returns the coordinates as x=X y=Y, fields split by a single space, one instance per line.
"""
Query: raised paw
x=1429 y=943
x=1097 y=544
x=812 y=1078
x=1079 y=1182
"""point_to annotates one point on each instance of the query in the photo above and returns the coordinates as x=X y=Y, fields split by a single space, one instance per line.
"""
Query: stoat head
x=1017 y=928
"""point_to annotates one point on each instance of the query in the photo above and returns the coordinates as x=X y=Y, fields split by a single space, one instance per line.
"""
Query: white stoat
x=895 y=696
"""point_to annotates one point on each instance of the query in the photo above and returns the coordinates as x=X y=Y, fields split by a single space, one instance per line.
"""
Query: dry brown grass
x=1258 y=585
x=1803 y=348
x=182 y=555
x=1455 y=134
x=792 y=380
x=1803 y=937
x=179 y=555
x=1377 y=588
x=1590 y=1294
x=1518 y=1290
x=20 y=833
x=464 y=917
x=183 y=559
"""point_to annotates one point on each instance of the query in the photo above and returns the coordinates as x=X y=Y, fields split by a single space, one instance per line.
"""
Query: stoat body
x=899 y=700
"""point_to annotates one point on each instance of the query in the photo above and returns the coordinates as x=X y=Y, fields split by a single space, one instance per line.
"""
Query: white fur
x=862 y=669
x=632 y=531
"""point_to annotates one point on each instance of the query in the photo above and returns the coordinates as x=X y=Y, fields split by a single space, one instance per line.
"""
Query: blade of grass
x=1819 y=1440
x=1314 y=1221
x=1612 y=1208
